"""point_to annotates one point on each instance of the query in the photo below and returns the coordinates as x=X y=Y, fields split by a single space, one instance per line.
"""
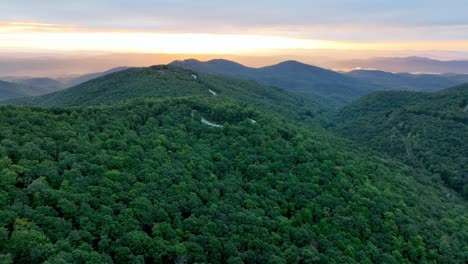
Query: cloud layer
x=322 y=19
x=258 y=27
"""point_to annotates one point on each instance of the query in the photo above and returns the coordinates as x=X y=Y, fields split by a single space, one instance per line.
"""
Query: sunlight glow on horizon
x=30 y=36
x=154 y=43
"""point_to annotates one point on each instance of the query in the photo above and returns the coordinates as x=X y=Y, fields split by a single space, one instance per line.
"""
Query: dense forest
x=122 y=169
x=425 y=130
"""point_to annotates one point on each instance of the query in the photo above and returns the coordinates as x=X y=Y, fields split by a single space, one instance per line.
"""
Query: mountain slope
x=147 y=181
x=410 y=82
x=150 y=166
x=9 y=90
x=427 y=130
x=315 y=82
x=169 y=81
x=298 y=76
x=46 y=85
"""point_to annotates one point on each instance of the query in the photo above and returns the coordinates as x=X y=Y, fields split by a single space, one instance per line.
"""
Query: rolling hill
x=10 y=90
x=45 y=85
x=409 y=82
x=426 y=130
x=330 y=87
x=169 y=81
x=164 y=165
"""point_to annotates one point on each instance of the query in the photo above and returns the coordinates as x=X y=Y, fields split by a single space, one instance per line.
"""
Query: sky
x=237 y=28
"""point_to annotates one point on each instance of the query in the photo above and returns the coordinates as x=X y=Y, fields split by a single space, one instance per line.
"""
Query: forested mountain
x=426 y=130
x=164 y=165
x=330 y=87
x=408 y=81
x=170 y=81
x=10 y=90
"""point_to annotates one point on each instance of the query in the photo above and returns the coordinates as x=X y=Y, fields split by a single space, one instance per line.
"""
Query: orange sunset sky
x=252 y=32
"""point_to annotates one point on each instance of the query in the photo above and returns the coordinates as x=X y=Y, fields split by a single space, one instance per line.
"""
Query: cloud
x=340 y=32
x=173 y=14
x=232 y=26
x=28 y=27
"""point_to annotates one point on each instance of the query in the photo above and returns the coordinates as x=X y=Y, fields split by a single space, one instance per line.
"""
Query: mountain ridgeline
x=173 y=82
x=330 y=87
x=425 y=130
x=166 y=165
x=333 y=89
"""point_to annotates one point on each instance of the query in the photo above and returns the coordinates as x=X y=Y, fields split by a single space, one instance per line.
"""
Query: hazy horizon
x=55 y=38
x=66 y=65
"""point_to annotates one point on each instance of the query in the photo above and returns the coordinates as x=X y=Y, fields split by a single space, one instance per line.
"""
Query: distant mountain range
x=332 y=87
x=9 y=90
x=15 y=87
x=405 y=64
x=294 y=76
x=47 y=85
x=409 y=82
